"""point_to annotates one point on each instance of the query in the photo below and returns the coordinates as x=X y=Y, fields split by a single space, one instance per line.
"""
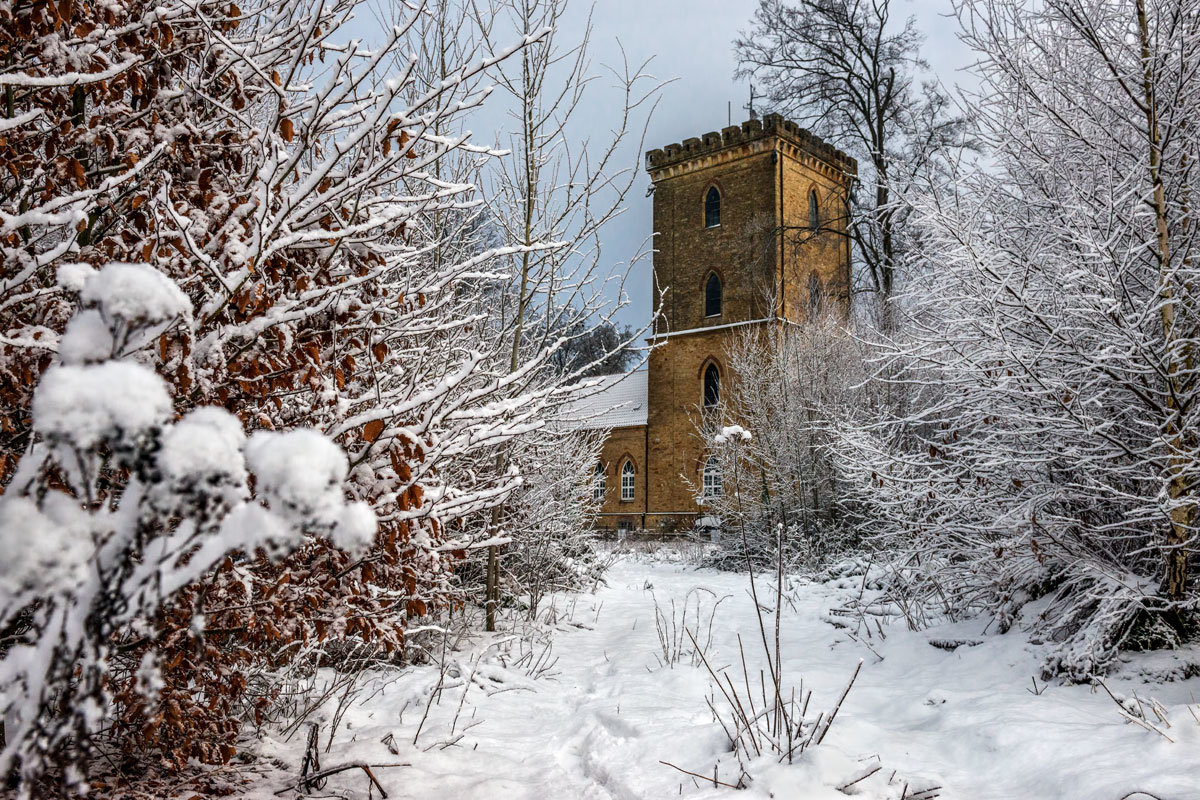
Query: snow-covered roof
x=617 y=401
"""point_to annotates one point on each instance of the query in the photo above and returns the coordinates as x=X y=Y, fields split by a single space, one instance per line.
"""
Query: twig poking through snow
x=712 y=780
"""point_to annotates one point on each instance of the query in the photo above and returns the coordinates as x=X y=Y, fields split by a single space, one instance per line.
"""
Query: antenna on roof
x=750 y=106
x=729 y=111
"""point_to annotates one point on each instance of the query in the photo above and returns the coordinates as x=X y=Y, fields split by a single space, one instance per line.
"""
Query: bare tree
x=553 y=197
x=1053 y=340
x=849 y=71
x=795 y=384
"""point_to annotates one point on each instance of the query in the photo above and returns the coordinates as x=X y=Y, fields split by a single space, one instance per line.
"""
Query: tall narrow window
x=712 y=208
x=814 y=210
x=712 y=386
x=815 y=294
x=598 y=483
x=712 y=296
x=713 y=486
x=628 y=480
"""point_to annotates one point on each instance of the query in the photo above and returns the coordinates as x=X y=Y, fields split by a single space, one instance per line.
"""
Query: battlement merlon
x=748 y=132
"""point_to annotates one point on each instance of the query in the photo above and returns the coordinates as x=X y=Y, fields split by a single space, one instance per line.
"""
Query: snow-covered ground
x=595 y=714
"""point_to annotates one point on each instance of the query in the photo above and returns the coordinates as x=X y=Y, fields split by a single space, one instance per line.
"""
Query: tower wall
x=771 y=265
x=743 y=250
x=823 y=254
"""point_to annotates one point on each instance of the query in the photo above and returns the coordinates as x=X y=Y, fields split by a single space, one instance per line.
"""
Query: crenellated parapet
x=749 y=133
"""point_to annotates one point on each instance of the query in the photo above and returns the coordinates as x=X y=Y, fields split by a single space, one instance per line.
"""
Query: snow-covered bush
x=791 y=386
x=287 y=179
x=551 y=515
x=89 y=554
x=1052 y=449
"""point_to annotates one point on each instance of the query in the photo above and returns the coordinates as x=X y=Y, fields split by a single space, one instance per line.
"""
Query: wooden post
x=492 y=595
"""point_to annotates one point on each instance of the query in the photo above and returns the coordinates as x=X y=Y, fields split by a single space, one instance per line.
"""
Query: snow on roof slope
x=617 y=401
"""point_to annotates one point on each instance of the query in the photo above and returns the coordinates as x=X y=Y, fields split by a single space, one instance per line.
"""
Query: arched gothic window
x=712 y=208
x=712 y=296
x=628 y=480
x=713 y=486
x=598 y=483
x=814 y=210
x=712 y=386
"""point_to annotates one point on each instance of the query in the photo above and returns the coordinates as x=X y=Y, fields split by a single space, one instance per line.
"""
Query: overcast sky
x=691 y=42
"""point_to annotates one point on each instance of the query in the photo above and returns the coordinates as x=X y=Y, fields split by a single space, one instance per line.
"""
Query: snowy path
x=598 y=727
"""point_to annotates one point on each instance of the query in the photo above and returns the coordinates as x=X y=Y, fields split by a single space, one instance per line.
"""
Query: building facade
x=750 y=228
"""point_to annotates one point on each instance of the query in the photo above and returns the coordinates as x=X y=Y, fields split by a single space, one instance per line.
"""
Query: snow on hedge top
x=732 y=433
x=203 y=453
x=43 y=548
x=206 y=442
x=355 y=528
x=616 y=401
x=82 y=406
x=135 y=293
x=74 y=275
x=300 y=470
x=300 y=473
x=87 y=339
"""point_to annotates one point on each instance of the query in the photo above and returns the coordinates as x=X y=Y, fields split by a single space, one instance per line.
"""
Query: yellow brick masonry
x=773 y=267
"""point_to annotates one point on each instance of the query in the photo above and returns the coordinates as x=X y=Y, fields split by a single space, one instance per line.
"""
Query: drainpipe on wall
x=777 y=156
x=849 y=307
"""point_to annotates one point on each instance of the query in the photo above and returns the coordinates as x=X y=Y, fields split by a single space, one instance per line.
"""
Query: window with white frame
x=628 y=480
x=598 y=483
x=713 y=487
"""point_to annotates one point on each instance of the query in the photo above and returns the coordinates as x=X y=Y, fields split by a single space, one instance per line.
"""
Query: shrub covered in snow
x=88 y=558
x=794 y=385
x=222 y=219
x=1048 y=448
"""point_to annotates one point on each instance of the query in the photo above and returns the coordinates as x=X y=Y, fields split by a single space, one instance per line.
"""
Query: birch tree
x=1054 y=453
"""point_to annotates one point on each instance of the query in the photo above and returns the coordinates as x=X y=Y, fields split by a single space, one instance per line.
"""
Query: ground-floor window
x=598 y=483
x=713 y=487
x=628 y=481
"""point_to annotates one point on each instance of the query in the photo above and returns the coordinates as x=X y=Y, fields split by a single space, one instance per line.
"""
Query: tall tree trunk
x=528 y=134
x=1182 y=511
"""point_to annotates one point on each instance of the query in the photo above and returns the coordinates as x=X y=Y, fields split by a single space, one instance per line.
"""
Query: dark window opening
x=814 y=210
x=712 y=296
x=712 y=386
x=712 y=208
x=815 y=294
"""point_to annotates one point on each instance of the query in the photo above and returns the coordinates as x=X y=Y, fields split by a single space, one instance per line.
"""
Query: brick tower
x=750 y=227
